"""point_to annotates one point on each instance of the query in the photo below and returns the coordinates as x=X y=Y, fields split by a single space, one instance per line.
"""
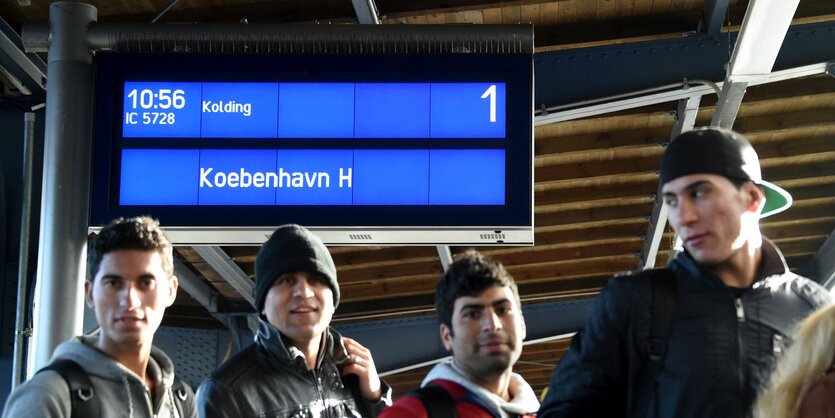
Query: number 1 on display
x=491 y=92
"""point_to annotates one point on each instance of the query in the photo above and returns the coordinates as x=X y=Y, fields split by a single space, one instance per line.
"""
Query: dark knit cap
x=723 y=152
x=292 y=248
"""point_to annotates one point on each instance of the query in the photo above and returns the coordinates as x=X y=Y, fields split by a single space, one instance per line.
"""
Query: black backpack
x=436 y=400
x=82 y=395
x=663 y=300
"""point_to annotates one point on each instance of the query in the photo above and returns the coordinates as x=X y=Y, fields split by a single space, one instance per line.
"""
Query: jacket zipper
x=740 y=317
x=317 y=381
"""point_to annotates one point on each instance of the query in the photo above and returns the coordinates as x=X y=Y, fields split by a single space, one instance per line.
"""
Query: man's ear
x=88 y=293
x=173 y=285
x=446 y=337
x=755 y=195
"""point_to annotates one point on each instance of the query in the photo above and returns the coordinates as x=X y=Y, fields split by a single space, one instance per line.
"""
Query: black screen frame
x=516 y=70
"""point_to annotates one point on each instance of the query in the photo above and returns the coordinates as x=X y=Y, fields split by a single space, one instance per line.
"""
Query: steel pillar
x=62 y=247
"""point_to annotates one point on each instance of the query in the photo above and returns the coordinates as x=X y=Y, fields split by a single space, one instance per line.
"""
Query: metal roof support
x=445 y=255
x=821 y=268
x=298 y=38
x=239 y=333
x=22 y=330
x=728 y=105
x=25 y=71
x=226 y=267
x=685 y=119
x=59 y=306
x=366 y=12
x=681 y=93
x=194 y=286
x=763 y=30
x=713 y=15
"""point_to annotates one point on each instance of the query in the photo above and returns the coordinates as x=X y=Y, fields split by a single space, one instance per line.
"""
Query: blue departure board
x=313 y=110
x=405 y=142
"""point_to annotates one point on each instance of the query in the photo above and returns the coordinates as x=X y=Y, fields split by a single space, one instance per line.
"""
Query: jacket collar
x=772 y=264
x=269 y=338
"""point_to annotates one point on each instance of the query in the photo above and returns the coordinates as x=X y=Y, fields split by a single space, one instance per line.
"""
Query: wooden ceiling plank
x=619 y=180
x=597 y=156
x=586 y=10
x=592 y=204
x=548 y=14
x=624 y=8
x=605 y=9
x=567 y=12
x=580 y=194
x=511 y=15
x=492 y=16
x=530 y=14
x=595 y=214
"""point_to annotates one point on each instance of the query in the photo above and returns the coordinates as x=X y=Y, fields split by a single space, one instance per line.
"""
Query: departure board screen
x=208 y=140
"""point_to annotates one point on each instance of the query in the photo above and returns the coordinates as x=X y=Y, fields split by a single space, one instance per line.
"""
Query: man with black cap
x=699 y=337
x=298 y=365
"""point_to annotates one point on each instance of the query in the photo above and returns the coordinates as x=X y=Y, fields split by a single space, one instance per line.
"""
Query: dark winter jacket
x=270 y=379
x=720 y=351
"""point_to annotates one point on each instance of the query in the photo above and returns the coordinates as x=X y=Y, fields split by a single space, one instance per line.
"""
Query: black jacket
x=720 y=351
x=268 y=379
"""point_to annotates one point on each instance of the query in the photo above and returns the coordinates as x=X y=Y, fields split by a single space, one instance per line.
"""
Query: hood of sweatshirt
x=82 y=350
x=523 y=402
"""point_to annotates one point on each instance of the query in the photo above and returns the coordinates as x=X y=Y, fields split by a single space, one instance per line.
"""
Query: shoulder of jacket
x=44 y=391
x=793 y=285
x=237 y=366
x=405 y=407
x=811 y=291
x=632 y=283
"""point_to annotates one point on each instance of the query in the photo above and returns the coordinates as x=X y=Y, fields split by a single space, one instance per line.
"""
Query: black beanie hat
x=289 y=249
x=722 y=152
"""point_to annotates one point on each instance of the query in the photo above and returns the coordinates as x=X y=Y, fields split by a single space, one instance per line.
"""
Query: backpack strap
x=182 y=397
x=436 y=400
x=82 y=395
x=663 y=301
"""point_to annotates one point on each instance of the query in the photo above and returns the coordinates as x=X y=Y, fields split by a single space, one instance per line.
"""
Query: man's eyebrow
x=696 y=184
x=692 y=186
x=497 y=302
x=112 y=276
x=473 y=306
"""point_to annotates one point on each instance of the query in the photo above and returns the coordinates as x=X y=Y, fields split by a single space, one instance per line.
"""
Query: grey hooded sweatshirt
x=119 y=391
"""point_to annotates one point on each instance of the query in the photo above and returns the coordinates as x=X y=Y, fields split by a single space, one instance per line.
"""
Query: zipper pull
x=740 y=313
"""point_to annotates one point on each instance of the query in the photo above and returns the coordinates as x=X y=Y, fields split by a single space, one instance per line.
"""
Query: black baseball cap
x=723 y=152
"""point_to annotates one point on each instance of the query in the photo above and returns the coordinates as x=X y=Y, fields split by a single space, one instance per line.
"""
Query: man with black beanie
x=298 y=365
x=699 y=337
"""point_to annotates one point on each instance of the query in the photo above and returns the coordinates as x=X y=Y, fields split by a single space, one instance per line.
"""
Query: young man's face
x=300 y=305
x=487 y=333
x=708 y=212
x=129 y=294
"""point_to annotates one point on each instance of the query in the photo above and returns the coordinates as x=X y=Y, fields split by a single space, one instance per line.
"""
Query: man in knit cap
x=699 y=337
x=298 y=365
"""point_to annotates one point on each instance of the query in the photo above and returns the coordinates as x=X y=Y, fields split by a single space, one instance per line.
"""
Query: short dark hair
x=139 y=233
x=470 y=274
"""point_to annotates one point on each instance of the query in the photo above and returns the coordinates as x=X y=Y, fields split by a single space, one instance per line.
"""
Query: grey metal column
x=21 y=331
x=66 y=180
